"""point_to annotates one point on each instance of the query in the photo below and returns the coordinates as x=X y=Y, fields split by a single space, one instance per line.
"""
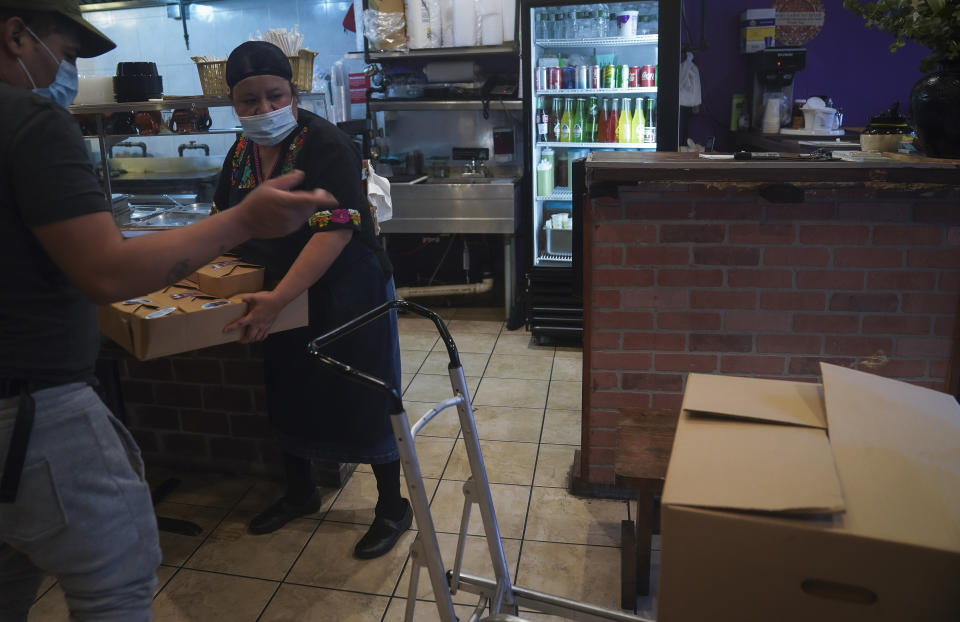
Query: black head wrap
x=256 y=58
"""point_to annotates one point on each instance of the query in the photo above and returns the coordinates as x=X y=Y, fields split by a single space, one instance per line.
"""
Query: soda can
x=648 y=75
x=623 y=76
x=582 y=73
x=594 y=77
x=634 y=77
x=540 y=82
x=608 y=77
x=554 y=80
x=568 y=77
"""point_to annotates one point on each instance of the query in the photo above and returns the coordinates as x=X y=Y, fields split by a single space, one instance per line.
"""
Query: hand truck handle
x=396 y=403
x=317 y=344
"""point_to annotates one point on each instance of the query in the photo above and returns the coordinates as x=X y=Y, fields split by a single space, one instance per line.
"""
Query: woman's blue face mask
x=63 y=89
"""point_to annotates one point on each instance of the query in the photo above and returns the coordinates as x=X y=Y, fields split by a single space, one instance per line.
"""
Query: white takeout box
x=780 y=504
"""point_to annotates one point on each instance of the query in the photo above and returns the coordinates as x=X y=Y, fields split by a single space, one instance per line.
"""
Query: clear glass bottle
x=586 y=24
x=541 y=26
x=570 y=24
x=603 y=19
x=559 y=25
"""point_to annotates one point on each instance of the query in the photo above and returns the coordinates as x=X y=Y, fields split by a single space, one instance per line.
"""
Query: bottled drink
x=603 y=18
x=590 y=128
x=566 y=121
x=637 y=123
x=586 y=24
x=578 y=121
x=623 y=125
x=555 y=119
x=545 y=177
x=650 y=114
x=602 y=121
x=559 y=21
x=541 y=26
x=612 y=119
x=561 y=169
x=543 y=120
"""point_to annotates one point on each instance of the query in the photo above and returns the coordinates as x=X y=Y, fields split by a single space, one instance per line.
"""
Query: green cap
x=92 y=41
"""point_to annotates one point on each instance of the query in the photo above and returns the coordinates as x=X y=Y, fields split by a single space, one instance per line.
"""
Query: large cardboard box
x=180 y=319
x=227 y=276
x=796 y=502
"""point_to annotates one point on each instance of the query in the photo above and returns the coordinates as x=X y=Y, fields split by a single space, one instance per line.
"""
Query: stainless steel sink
x=454 y=205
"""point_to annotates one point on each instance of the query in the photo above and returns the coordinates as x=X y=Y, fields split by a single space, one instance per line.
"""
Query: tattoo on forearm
x=179 y=271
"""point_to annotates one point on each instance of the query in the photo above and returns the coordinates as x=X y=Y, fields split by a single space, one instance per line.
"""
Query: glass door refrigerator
x=601 y=76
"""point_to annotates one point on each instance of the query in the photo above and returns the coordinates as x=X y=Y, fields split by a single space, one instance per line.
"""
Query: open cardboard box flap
x=897 y=449
x=752 y=444
x=774 y=401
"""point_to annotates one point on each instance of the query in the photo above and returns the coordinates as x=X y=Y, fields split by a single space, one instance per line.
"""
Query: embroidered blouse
x=331 y=161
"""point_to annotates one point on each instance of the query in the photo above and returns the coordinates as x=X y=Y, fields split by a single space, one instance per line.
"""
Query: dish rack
x=213 y=74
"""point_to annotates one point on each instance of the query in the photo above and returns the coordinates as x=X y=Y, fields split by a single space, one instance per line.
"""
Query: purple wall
x=847 y=61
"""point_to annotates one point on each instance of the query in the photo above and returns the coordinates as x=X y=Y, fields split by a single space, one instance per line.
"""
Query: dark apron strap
x=17 y=451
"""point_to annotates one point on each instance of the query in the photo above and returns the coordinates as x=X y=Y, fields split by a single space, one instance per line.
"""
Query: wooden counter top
x=630 y=167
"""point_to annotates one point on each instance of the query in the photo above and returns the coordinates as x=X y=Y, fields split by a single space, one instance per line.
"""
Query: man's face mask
x=63 y=89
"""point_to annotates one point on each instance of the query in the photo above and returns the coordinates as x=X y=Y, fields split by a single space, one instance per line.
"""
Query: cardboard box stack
x=191 y=314
x=793 y=501
x=758 y=29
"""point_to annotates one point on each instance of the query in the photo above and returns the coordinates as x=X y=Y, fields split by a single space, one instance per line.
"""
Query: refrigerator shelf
x=626 y=91
x=559 y=258
x=599 y=42
x=600 y=145
x=558 y=194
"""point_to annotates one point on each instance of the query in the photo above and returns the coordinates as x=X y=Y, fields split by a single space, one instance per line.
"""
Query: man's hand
x=273 y=210
x=262 y=310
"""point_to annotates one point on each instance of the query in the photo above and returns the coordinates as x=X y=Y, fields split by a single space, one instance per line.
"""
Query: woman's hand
x=263 y=308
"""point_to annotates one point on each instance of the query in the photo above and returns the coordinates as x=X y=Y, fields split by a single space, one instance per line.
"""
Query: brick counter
x=204 y=410
x=760 y=269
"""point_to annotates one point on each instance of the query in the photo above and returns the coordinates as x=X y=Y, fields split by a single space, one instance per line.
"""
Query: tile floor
x=527 y=409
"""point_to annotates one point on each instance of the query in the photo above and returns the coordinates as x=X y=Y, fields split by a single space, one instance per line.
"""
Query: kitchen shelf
x=599 y=42
x=480 y=50
x=235 y=130
x=558 y=194
x=626 y=91
x=167 y=103
x=600 y=145
x=444 y=104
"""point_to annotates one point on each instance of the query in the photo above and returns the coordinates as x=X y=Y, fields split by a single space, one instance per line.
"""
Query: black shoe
x=383 y=534
x=284 y=511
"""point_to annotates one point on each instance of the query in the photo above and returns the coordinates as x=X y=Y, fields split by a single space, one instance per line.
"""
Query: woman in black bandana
x=337 y=258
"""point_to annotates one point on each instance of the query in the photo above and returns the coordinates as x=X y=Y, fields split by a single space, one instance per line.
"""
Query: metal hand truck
x=499 y=595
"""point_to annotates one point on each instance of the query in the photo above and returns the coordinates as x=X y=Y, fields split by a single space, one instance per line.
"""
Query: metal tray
x=171 y=219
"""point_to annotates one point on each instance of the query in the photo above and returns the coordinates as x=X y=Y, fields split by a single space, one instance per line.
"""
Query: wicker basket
x=213 y=75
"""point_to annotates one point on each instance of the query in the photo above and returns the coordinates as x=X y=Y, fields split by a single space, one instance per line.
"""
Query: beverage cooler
x=596 y=77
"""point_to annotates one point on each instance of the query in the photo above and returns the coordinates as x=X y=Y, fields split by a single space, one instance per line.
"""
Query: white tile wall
x=215 y=29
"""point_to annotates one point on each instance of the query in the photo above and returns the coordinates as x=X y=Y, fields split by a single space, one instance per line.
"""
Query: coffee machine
x=773 y=73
